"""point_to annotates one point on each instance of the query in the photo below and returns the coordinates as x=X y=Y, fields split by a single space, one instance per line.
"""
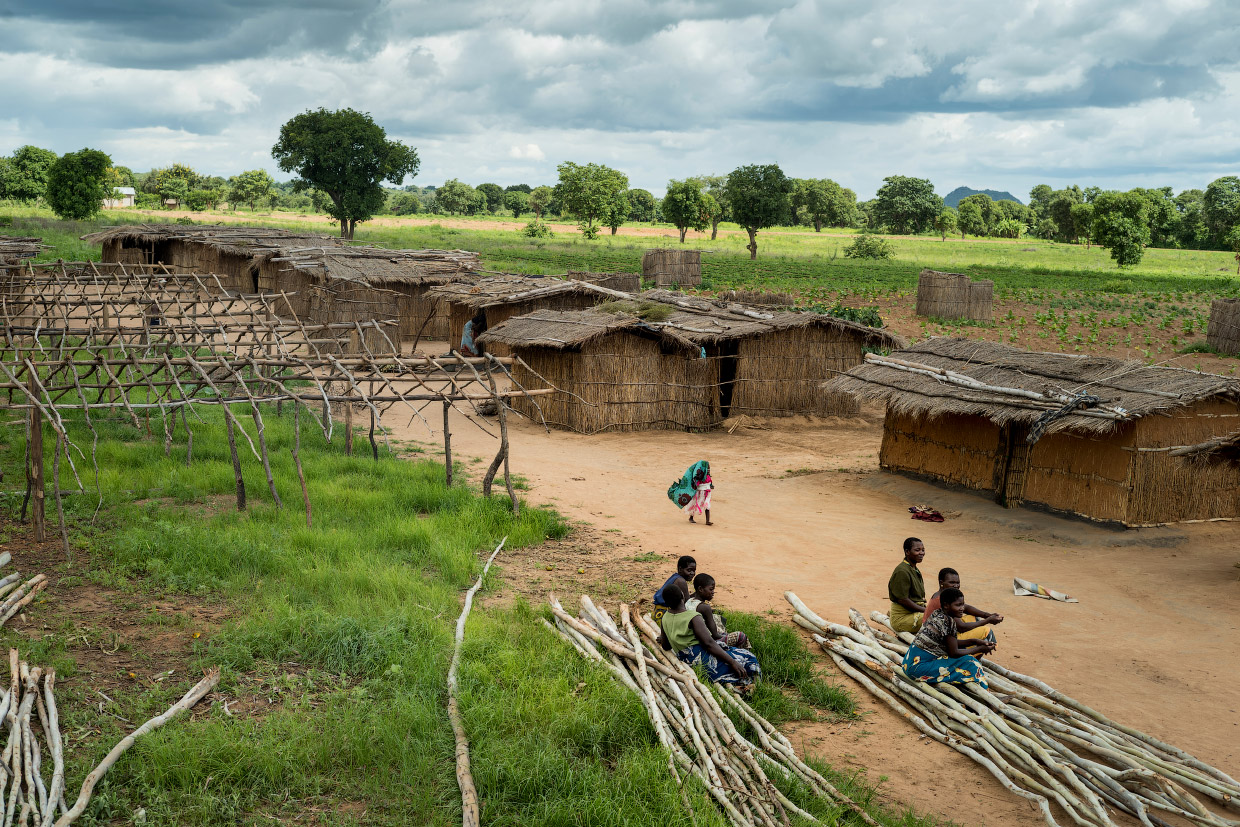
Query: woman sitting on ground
x=684 y=632
x=973 y=624
x=937 y=655
x=703 y=593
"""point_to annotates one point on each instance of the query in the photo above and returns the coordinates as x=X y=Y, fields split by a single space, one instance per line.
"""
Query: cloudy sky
x=1116 y=93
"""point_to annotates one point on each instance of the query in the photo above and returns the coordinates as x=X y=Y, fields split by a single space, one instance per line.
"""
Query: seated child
x=686 y=567
x=974 y=623
x=704 y=592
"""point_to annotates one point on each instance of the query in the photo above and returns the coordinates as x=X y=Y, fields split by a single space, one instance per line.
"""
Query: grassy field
x=334 y=643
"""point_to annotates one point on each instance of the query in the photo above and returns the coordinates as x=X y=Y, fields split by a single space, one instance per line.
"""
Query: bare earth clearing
x=801 y=505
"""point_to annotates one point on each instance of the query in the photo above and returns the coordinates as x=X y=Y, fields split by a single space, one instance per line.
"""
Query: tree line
x=343 y=160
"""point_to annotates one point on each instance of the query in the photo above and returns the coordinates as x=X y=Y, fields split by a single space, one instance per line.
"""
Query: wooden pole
x=37 y=469
x=447 y=443
x=236 y=461
x=305 y=495
x=348 y=426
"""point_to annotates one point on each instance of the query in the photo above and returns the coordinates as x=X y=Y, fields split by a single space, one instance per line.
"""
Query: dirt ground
x=800 y=505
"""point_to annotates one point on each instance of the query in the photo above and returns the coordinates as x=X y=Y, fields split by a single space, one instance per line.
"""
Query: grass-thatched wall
x=459 y=314
x=672 y=268
x=954 y=296
x=1134 y=470
x=1223 y=331
x=627 y=377
x=781 y=373
x=624 y=282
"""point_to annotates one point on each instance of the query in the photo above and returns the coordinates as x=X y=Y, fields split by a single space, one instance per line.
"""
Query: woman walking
x=692 y=491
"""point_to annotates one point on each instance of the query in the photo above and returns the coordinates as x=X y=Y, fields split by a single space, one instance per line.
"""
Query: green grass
x=348 y=627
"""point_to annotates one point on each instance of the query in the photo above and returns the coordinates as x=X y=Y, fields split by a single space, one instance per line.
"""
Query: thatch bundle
x=672 y=268
x=759 y=298
x=624 y=282
x=1223 y=331
x=954 y=296
x=505 y=297
x=1090 y=436
x=665 y=360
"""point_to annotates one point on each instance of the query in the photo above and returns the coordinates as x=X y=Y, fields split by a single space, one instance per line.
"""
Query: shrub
x=861 y=315
x=867 y=245
x=537 y=229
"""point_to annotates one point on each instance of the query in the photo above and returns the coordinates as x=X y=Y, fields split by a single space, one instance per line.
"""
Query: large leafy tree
x=1039 y=201
x=618 y=210
x=985 y=208
x=970 y=218
x=1221 y=207
x=1121 y=222
x=347 y=156
x=684 y=206
x=716 y=186
x=758 y=195
x=1192 y=232
x=540 y=197
x=517 y=202
x=26 y=177
x=494 y=194
x=456 y=196
x=907 y=204
x=589 y=192
x=77 y=183
x=250 y=187
x=642 y=205
x=946 y=222
x=1083 y=221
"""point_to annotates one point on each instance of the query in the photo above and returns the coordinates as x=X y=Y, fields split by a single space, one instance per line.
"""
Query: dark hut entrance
x=1012 y=466
x=727 y=354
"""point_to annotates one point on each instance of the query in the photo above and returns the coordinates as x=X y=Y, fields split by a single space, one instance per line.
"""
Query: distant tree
x=758 y=196
x=985 y=208
x=77 y=183
x=198 y=200
x=1221 y=207
x=455 y=197
x=1232 y=240
x=796 y=201
x=907 y=204
x=946 y=222
x=1121 y=223
x=817 y=202
x=1191 y=232
x=26 y=177
x=684 y=207
x=156 y=181
x=1008 y=228
x=517 y=202
x=172 y=191
x=618 y=210
x=250 y=187
x=347 y=156
x=970 y=219
x=1163 y=216
x=589 y=192
x=716 y=186
x=642 y=205
x=1045 y=228
x=494 y=194
x=120 y=177
x=1040 y=201
x=525 y=188
x=1060 y=211
x=1083 y=221
x=1090 y=194
x=404 y=202
x=540 y=197
x=713 y=210
x=841 y=205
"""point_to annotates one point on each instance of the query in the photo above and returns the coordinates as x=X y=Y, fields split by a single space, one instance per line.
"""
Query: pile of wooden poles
x=28 y=708
x=1039 y=743
x=693 y=724
x=14 y=594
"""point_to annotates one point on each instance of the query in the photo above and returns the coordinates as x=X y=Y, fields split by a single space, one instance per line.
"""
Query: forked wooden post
x=36 y=464
x=348 y=424
x=236 y=461
x=447 y=443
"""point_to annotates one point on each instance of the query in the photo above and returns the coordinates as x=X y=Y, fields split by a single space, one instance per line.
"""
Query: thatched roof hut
x=227 y=251
x=14 y=249
x=363 y=283
x=952 y=296
x=503 y=297
x=1101 y=438
x=668 y=361
x=672 y=268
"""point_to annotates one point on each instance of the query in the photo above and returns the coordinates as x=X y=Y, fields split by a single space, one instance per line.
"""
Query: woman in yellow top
x=684 y=632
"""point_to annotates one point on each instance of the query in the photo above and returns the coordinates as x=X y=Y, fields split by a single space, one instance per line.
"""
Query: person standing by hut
x=474 y=328
x=691 y=492
x=907 y=590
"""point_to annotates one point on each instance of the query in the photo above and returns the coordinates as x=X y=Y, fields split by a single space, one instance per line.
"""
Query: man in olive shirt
x=906 y=589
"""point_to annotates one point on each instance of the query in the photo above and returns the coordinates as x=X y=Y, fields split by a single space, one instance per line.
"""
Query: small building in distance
x=121 y=197
x=666 y=361
x=1109 y=440
x=502 y=297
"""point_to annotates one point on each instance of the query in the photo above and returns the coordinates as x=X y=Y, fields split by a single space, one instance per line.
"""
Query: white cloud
x=529 y=152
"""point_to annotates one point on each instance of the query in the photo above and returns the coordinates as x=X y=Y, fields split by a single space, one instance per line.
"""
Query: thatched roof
x=704 y=321
x=570 y=329
x=13 y=248
x=998 y=381
x=378 y=266
x=500 y=290
x=223 y=237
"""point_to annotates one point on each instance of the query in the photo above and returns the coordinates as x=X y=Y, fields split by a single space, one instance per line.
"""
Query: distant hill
x=952 y=199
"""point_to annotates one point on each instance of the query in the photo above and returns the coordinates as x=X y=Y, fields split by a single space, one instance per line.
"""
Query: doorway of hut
x=727 y=354
x=1012 y=464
